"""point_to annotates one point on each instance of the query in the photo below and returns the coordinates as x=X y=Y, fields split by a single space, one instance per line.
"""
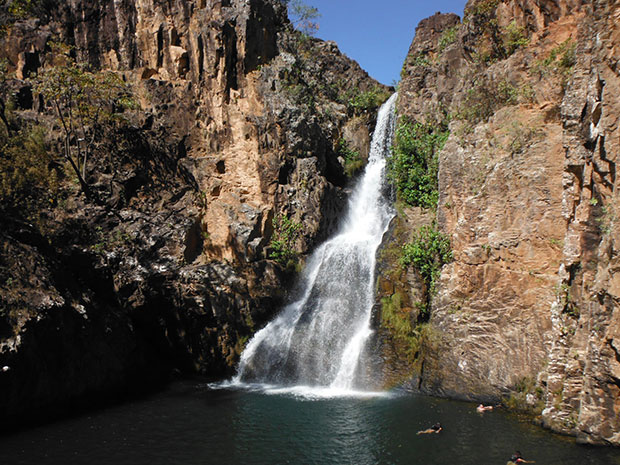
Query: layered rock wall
x=527 y=310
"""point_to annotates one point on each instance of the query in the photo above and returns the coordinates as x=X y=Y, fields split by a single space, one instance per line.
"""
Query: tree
x=303 y=16
x=15 y=10
x=27 y=184
x=285 y=234
x=85 y=102
x=4 y=94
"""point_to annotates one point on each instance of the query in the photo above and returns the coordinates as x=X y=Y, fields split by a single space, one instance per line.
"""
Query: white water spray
x=317 y=341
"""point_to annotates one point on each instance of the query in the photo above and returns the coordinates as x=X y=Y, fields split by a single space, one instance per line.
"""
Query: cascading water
x=318 y=340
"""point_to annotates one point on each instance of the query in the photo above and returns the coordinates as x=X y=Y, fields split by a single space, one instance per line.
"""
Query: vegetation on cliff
x=413 y=164
x=86 y=104
x=427 y=252
x=413 y=169
x=28 y=181
x=353 y=161
x=303 y=16
x=411 y=338
x=491 y=41
x=282 y=245
x=14 y=10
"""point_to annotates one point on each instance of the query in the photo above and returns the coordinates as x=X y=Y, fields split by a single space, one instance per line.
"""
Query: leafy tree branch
x=85 y=102
x=303 y=17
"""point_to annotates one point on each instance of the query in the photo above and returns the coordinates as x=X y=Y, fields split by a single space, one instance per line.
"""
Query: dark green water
x=192 y=424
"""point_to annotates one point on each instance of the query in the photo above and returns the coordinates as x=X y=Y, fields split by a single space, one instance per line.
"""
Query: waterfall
x=318 y=339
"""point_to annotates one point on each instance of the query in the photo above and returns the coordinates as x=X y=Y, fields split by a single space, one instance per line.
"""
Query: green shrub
x=393 y=317
x=285 y=234
x=14 y=10
x=494 y=42
x=427 y=253
x=421 y=60
x=484 y=8
x=561 y=60
x=368 y=101
x=413 y=165
x=514 y=38
x=353 y=161
x=485 y=98
x=482 y=18
x=518 y=399
x=26 y=182
x=448 y=37
x=521 y=137
x=412 y=337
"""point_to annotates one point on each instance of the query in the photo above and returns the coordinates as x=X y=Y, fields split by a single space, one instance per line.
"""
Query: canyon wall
x=527 y=311
x=240 y=119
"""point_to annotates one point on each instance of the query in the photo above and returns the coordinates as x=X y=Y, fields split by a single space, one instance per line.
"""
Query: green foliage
x=353 y=161
x=414 y=164
x=514 y=38
x=565 y=299
x=521 y=137
x=294 y=84
x=368 y=101
x=526 y=396
x=561 y=61
x=485 y=98
x=560 y=57
x=494 y=42
x=568 y=57
x=483 y=19
x=427 y=253
x=107 y=242
x=412 y=337
x=26 y=182
x=484 y=8
x=448 y=37
x=303 y=16
x=85 y=103
x=15 y=10
x=285 y=234
x=4 y=94
x=21 y=8
x=422 y=60
x=527 y=93
x=393 y=317
x=605 y=217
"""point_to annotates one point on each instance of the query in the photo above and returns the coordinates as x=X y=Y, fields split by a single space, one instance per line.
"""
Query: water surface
x=191 y=423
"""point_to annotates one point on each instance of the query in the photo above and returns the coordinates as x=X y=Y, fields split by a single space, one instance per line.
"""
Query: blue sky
x=377 y=33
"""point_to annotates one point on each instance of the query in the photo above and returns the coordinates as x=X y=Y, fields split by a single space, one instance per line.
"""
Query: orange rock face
x=528 y=309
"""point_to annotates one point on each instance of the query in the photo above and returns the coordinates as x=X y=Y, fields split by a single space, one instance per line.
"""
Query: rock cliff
x=528 y=308
x=240 y=119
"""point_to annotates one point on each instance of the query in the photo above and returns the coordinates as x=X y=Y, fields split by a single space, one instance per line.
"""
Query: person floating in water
x=483 y=408
x=436 y=428
x=517 y=458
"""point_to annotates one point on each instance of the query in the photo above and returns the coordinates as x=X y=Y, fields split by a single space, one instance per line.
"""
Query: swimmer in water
x=436 y=428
